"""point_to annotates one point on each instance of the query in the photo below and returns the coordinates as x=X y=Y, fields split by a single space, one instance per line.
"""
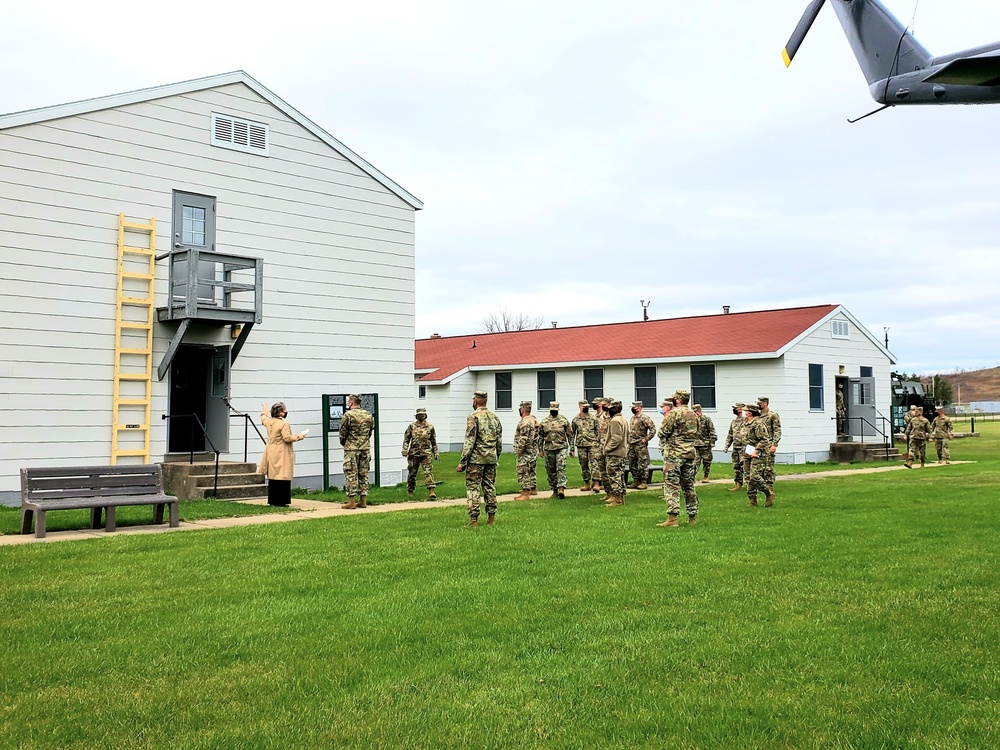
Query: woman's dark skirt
x=279 y=492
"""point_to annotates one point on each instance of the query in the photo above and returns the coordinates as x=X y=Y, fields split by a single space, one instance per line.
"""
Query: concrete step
x=234 y=492
x=227 y=480
x=208 y=468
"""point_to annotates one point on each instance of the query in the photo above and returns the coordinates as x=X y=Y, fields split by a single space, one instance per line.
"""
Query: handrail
x=247 y=420
x=875 y=430
x=195 y=418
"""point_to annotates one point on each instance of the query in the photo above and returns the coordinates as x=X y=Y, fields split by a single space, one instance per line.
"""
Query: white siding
x=338 y=251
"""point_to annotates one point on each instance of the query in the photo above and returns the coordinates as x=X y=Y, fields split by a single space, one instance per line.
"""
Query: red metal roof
x=763 y=332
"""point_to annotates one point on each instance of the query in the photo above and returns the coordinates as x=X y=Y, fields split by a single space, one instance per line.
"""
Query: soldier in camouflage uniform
x=584 y=427
x=755 y=466
x=910 y=414
x=640 y=431
x=615 y=454
x=480 y=455
x=736 y=439
x=598 y=467
x=918 y=431
x=557 y=442
x=526 y=448
x=841 y=411
x=774 y=428
x=677 y=435
x=705 y=443
x=942 y=433
x=355 y=436
x=421 y=451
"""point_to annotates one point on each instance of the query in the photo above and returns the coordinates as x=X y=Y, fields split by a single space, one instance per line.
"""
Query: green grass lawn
x=860 y=612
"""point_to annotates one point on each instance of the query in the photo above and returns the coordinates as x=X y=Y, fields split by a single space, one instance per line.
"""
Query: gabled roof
x=30 y=116
x=749 y=335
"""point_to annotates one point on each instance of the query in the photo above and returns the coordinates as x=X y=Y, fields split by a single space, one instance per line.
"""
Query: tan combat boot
x=736 y=488
x=671 y=521
x=769 y=502
x=692 y=520
x=753 y=502
x=491 y=519
x=474 y=522
x=350 y=504
x=561 y=493
x=642 y=486
x=361 y=501
x=633 y=485
x=532 y=492
x=586 y=487
x=432 y=495
x=596 y=487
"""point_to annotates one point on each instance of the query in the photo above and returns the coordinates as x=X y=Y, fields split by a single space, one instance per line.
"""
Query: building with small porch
x=797 y=357
x=175 y=256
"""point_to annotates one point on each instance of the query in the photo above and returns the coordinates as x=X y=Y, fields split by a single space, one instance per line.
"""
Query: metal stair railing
x=247 y=420
x=195 y=419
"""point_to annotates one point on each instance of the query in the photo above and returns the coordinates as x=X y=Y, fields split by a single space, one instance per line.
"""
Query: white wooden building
x=796 y=357
x=284 y=270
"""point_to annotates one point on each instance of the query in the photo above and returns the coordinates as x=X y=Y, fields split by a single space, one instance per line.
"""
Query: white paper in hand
x=305 y=432
x=749 y=450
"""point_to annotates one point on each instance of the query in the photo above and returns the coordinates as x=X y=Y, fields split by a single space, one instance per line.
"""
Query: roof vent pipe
x=725 y=309
x=555 y=323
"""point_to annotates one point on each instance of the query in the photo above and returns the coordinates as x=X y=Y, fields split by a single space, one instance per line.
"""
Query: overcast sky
x=576 y=157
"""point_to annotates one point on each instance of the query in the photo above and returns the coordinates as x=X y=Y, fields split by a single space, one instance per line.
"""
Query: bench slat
x=94 y=492
x=99 y=502
x=126 y=480
x=84 y=471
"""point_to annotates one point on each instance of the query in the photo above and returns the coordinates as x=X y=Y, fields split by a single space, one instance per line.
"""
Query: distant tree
x=941 y=389
x=503 y=320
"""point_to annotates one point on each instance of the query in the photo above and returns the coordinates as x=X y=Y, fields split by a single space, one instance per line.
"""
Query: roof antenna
x=645 y=307
x=473 y=344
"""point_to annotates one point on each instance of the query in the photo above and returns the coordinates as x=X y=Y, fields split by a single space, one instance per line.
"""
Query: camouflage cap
x=763 y=400
x=421 y=411
x=553 y=405
x=525 y=405
x=637 y=403
x=481 y=395
x=939 y=408
x=739 y=406
x=753 y=409
x=681 y=393
x=355 y=398
x=583 y=403
x=696 y=407
x=666 y=402
x=615 y=402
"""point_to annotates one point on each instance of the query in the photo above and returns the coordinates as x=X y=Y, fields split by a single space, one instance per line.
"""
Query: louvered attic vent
x=240 y=135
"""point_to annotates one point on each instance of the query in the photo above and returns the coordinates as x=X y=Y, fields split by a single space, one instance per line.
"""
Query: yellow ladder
x=133 y=342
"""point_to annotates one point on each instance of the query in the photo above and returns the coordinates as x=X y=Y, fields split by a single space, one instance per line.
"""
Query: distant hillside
x=977 y=385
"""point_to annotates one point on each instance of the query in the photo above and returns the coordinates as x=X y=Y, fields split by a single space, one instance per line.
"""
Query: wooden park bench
x=653 y=468
x=99 y=488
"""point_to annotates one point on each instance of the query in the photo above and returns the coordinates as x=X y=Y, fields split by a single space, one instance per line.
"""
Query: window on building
x=593 y=384
x=421 y=391
x=866 y=372
x=816 y=387
x=703 y=385
x=502 y=390
x=645 y=386
x=841 y=329
x=546 y=388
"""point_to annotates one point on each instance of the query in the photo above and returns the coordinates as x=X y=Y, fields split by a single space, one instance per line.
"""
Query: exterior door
x=199 y=386
x=217 y=406
x=194 y=229
x=862 y=422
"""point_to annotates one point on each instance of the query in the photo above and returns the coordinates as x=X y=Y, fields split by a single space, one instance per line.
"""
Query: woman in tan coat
x=278 y=461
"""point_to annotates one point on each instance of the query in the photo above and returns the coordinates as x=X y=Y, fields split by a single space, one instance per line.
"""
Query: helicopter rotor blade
x=801 y=30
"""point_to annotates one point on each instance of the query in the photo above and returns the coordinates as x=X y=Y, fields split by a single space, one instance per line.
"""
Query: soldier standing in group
x=705 y=443
x=355 y=436
x=557 y=441
x=480 y=455
x=421 y=450
x=615 y=454
x=677 y=436
x=941 y=433
x=755 y=465
x=906 y=425
x=584 y=427
x=736 y=439
x=774 y=428
x=918 y=431
x=598 y=468
x=640 y=431
x=526 y=447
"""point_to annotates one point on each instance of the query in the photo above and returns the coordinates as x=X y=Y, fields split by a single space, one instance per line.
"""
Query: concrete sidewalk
x=310 y=509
